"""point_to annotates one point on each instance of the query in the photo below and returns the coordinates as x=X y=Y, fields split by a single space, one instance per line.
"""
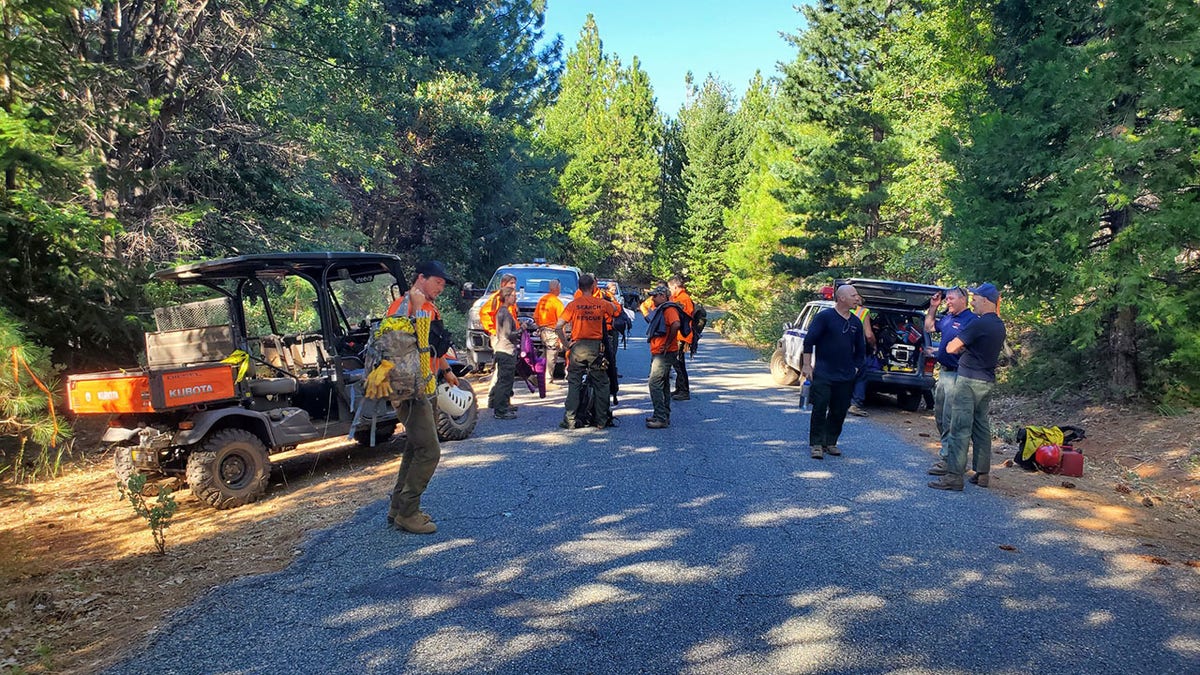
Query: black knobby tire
x=230 y=469
x=909 y=401
x=458 y=428
x=383 y=433
x=781 y=371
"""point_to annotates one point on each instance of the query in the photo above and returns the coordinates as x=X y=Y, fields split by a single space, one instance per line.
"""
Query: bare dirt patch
x=81 y=582
x=1141 y=476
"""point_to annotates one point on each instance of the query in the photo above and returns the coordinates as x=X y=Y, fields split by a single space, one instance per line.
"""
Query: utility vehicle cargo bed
x=126 y=392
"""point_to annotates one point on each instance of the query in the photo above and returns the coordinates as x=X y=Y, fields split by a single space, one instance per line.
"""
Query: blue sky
x=729 y=38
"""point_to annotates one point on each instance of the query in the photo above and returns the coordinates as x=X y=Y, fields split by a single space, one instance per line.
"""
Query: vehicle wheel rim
x=234 y=471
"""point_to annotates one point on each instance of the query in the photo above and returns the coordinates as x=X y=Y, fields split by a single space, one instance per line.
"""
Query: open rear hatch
x=898 y=294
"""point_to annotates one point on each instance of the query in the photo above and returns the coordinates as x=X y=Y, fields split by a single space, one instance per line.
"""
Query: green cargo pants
x=421 y=455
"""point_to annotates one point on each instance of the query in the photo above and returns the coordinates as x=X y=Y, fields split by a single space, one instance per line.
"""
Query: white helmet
x=454 y=401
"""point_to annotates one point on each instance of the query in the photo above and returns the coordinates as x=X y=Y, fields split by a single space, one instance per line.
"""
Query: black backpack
x=685 y=319
x=699 y=321
x=621 y=322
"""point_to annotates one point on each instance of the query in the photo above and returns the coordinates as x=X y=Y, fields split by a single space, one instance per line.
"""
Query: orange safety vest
x=487 y=313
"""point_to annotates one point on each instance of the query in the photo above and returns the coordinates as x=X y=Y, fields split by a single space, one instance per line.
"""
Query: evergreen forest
x=1049 y=146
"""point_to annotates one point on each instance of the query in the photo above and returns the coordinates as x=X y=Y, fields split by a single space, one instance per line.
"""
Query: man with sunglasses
x=950 y=324
x=836 y=342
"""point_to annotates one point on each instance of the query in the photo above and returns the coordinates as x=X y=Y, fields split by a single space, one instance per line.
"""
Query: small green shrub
x=158 y=516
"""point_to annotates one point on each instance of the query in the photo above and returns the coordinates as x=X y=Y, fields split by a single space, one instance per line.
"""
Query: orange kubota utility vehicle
x=271 y=358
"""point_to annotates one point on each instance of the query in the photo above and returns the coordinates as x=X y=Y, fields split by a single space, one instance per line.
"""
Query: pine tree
x=637 y=133
x=1078 y=186
x=759 y=219
x=713 y=174
x=606 y=124
x=840 y=187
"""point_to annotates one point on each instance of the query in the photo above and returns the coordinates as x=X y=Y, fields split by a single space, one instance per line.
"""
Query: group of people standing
x=591 y=351
x=967 y=357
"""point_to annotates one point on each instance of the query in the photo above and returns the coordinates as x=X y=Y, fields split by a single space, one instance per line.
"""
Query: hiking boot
x=947 y=482
x=611 y=423
x=681 y=396
x=509 y=415
x=566 y=424
x=655 y=423
x=417 y=523
x=938 y=469
x=858 y=412
x=391 y=520
x=816 y=452
x=833 y=451
x=980 y=479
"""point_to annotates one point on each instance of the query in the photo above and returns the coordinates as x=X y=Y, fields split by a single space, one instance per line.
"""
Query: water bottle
x=804 y=389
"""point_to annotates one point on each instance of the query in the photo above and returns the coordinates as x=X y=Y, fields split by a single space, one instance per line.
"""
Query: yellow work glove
x=378 y=385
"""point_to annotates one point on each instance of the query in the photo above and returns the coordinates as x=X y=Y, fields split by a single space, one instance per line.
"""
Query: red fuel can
x=1072 y=464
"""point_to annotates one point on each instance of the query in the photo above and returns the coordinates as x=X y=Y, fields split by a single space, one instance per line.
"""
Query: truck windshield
x=536 y=280
x=364 y=299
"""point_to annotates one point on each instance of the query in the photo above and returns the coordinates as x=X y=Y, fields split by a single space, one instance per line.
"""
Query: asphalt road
x=715 y=546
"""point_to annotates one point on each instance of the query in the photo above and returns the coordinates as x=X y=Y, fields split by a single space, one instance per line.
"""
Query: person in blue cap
x=978 y=347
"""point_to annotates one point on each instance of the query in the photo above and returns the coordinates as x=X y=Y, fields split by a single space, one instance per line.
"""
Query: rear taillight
x=929 y=361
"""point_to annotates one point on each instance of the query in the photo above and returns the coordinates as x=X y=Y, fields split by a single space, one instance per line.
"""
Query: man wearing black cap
x=421 y=448
x=978 y=348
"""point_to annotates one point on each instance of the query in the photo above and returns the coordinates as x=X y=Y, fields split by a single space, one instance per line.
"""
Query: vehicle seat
x=309 y=354
x=272 y=386
x=273 y=351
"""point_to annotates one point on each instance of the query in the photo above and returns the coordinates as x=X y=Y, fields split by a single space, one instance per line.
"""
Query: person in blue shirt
x=950 y=324
x=834 y=348
x=978 y=347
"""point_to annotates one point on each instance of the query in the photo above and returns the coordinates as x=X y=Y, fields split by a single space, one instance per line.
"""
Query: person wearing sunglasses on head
x=949 y=324
x=834 y=349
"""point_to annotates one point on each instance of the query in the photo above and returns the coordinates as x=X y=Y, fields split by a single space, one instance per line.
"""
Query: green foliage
x=605 y=124
x=761 y=328
x=157 y=515
x=758 y=220
x=1078 y=183
x=33 y=442
x=715 y=145
x=842 y=185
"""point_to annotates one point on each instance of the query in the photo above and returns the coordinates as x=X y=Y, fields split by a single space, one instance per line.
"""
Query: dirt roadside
x=81 y=582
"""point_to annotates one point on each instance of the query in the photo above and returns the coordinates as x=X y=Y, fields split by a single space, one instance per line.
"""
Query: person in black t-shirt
x=836 y=335
x=978 y=347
